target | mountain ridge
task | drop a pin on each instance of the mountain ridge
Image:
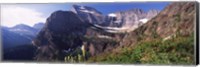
(21, 34)
(161, 40)
(126, 20)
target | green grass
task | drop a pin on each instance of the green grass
(179, 50)
(76, 56)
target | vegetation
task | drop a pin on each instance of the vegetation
(177, 50)
(76, 56)
(177, 17)
(154, 34)
(80, 54)
(153, 29)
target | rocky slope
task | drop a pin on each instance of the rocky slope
(11, 39)
(19, 35)
(16, 42)
(165, 39)
(175, 19)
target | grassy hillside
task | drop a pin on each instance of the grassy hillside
(177, 50)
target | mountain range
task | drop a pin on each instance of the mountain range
(120, 21)
(84, 34)
(19, 35)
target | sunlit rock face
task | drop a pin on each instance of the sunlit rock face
(123, 21)
(88, 14)
(129, 20)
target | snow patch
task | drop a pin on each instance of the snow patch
(18, 30)
(82, 7)
(118, 21)
(116, 29)
(102, 36)
(87, 11)
(143, 20)
(112, 15)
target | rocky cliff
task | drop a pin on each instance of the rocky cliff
(63, 30)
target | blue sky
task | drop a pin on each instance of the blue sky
(106, 8)
(33, 13)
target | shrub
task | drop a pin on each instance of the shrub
(178, 50)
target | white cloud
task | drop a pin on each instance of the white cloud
(11, 16)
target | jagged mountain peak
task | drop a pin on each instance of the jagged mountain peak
(129, 20)
(154, 10)
(22, 27)
(88, 14)
(75, 8)
(137, 10)
(126, 20)
(152, 13)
